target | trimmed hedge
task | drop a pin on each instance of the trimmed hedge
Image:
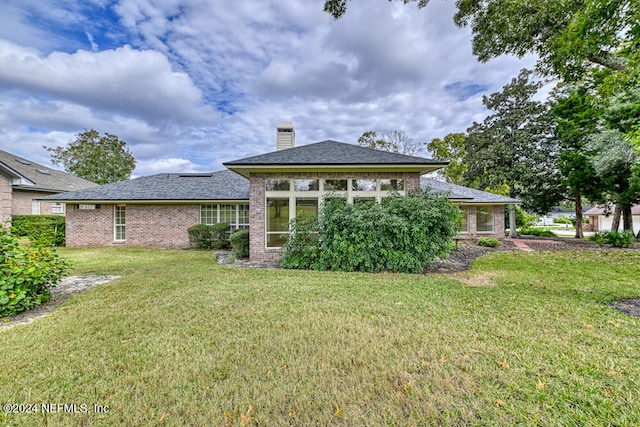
(208, 237)
(402, 234)
(42, 230)
(240, 243)
(490, 242)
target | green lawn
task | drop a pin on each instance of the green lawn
(523, 339)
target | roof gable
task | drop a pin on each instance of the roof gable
(32, 176)
(332, 153)
(464, 194)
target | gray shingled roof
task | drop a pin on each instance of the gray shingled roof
(221, 185)
(465, 194)
(36, 177)
(332, 153)
(601, 210)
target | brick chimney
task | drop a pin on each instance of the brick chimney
(286, 136)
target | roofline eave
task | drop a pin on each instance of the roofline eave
(246, 169)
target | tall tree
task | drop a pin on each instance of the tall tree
(515, 146)
(576, 114)
(567, 36)
(101, 159)
(614, 160)
(396, 141)
(451, 149)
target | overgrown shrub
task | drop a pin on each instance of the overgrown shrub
(26, 274)
(619, 239)
(489, 242)
(240, 243)
(42, 230)
(209, 237)
(533, 231)
(402, 234)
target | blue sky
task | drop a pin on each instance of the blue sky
(190, 84)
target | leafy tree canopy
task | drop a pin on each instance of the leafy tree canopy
(100, 159)
(514, 145)
(395, 141)
(451, 149)
(566, 35)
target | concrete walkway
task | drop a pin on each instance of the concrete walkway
(521, 245)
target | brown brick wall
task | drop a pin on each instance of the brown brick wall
(5, 199)
(498, 224)
(257, 250)
(153, 226)
(22, 202)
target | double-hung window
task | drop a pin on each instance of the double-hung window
(120, 223)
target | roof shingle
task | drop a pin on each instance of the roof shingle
(467, 195)
(332, 153)
(36, 177)
(221, 185)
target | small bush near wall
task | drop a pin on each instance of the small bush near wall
(489, 242)
(209, 237)
(26, 275)
(240, 243)
(42, 230)
(402, 234)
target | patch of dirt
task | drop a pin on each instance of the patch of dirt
(66, 288)
(630, 307)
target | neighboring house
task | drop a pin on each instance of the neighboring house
(600, 219)
(23, 183)
(261, 193)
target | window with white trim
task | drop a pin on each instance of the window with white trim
(464, 220)
(286, 198)
(236, 215)
(484, 219)
(120, 223)
(57, 208)
(35, 207)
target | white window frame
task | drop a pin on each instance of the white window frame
(466, 211)
(320, 194)
(492, 212)
(35, 207)
(57, 208)
(236, 223)
(119, 226)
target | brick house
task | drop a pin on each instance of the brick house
(261, 193)
(23, 183)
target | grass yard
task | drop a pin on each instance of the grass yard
(523, 339)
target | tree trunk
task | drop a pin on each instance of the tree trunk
(615, 222)
(512, 221)
(627, 218)
(579, 234)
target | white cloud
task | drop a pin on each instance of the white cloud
(190, 84)
(123, 81)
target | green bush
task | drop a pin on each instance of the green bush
(617, 239)
(240, 243)
(563, 220)
(523, 219)
(26, 275)
(402, 234)
(489, 242)
(533, 231)
(209, 237)
(42, 230)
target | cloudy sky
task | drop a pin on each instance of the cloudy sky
(190, 84)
